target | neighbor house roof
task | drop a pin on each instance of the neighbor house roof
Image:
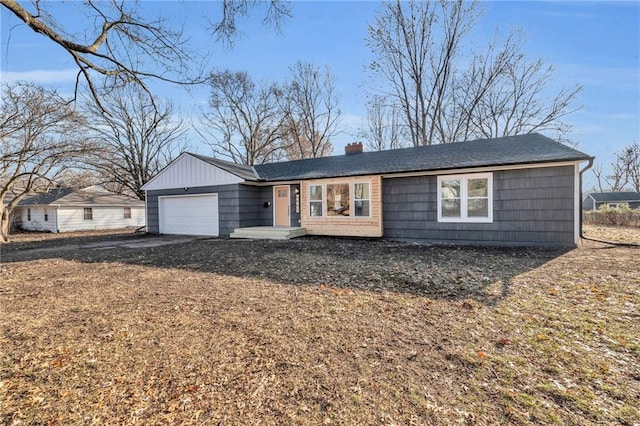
(615, 197)
(92, 196)
(510, 150)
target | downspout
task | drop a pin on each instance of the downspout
(587, 167)
(57, 211)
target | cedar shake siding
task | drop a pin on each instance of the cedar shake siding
(238, 206)
(530, 207)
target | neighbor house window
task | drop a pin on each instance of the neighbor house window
(127, 212)
(315, 200)
(88, 213)
(46, 215)
(29, 214)
(338, 200)
(362, 199)
(465, 198)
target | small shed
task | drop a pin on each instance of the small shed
(594, 200)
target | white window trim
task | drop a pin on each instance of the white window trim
(352, 200)
(326, 201)
(464, 198)
(322, 200)
(353, 197)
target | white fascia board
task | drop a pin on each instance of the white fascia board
(480, 169)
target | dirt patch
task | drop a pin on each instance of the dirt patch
(613, 233)
(320, 331)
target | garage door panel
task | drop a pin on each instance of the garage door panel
(189, 215)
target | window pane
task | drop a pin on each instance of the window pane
(362, 208)
(451, 188)
(338, 202)
(478, 207)
(361, 191)
(478, 188)
(315, 192)
(450, 208)
(315, 209)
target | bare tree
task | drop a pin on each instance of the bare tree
(122, 43)
(383, 129)
(420, 52)
(244, 122)
(311, 111)
(137, 138)
(38, 141)
(629, 157)
(624, 173)
(226, 29)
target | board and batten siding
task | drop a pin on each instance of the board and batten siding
(350, 226)
(238, 205)
(530, 207)
(72, 218)
(187, 171)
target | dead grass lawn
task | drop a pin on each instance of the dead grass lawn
(112, 336)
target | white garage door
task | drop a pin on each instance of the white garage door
(189, 215)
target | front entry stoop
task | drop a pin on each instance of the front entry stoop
(268, 232)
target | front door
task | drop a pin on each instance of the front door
(282, 205)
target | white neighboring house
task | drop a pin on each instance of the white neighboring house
(65, 209)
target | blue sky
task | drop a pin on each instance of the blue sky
(594, 44)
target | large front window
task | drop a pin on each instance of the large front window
(465, 198)
(338, 200)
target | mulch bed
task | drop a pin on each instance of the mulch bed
(318, 331)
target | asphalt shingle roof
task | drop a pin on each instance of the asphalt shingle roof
(510, 150)
(605, 197)
(240, 170)
(81, 197)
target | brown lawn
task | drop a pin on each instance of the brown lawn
(318, 331)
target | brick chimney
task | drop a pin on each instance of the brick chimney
(353, 148)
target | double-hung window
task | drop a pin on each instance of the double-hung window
(465, 198)
(362, 199)
(127, 213)
(88, 213)
(315, 200)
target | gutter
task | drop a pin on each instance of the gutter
(615, 243)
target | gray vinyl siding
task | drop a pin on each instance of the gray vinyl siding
(530, 207)
(238, 205)
(252, 206)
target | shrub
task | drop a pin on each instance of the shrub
(619, 216)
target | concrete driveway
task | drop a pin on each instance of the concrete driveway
(144, 241)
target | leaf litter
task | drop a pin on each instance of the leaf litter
(320, 331)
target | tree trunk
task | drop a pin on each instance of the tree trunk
(5, 222)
